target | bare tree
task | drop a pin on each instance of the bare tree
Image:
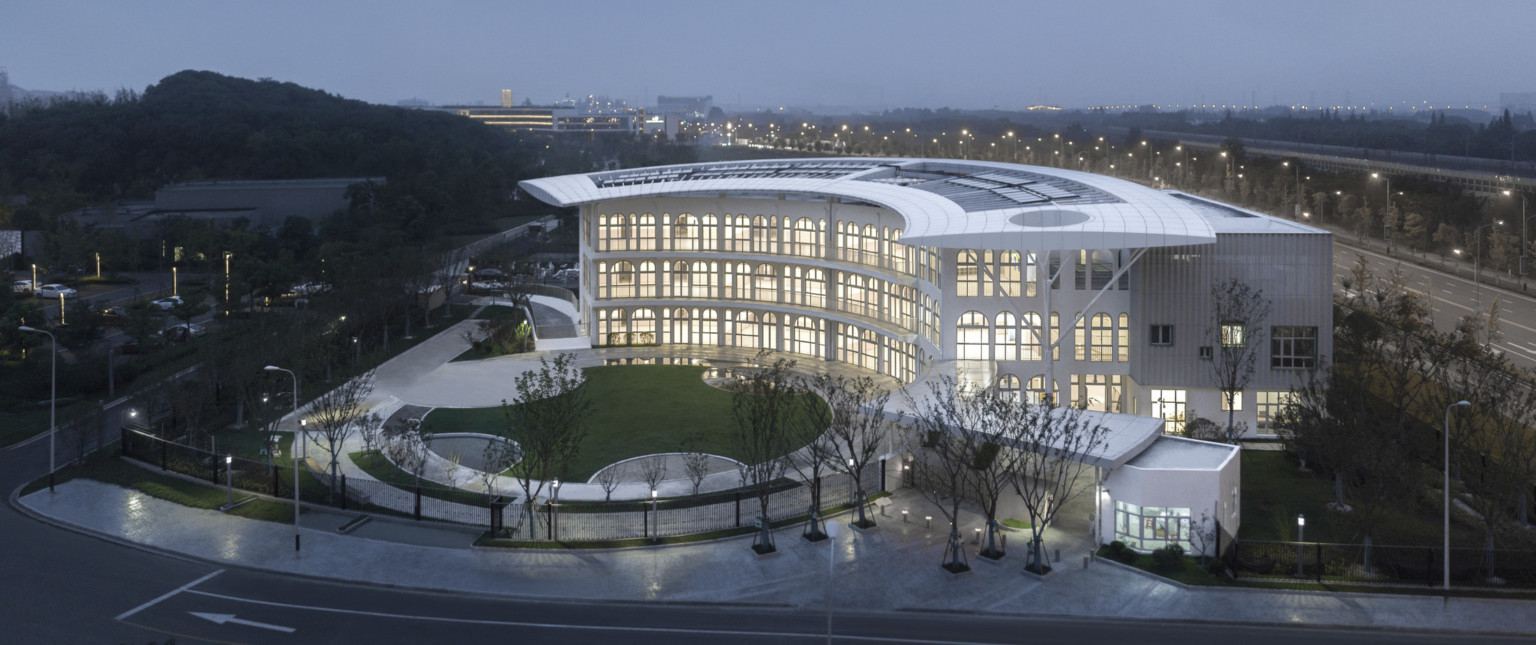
(945, 423)
(547, 421)
(333, 415)
(1055, 445)
(653, 471)
(1202, 535)
(370, 428)
(763, 405)
(1495, 445)
(695, 463)
(407, 448)
(855, 435)
(816, 459)
(1236, 335)
(496, 457)
(609, 478)
(86, 421)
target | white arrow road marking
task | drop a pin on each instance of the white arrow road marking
(173, 592)
(230, 618)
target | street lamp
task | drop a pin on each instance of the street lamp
(98, 264)
(1525, 258)
(53, 399)
(1301, 528)
(174, 282)
(832, 530)
(1386, 228)
(229, 481)
(1477, 258)
(1447, 563)
(274, 368)
(554, 513)
(227, 256)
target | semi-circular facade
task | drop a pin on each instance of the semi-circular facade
(1015, 275)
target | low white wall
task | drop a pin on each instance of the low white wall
(1214, 492)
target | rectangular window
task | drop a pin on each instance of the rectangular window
(1231, 401)
(1270, 405)
(1206, 353)
(1150, 528)
(1293, 347)
(1161, 335)
(1233, 334)
(1031, 279)
(1169, 405)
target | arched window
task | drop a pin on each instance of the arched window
(738, 281)
(707, 328)
(645, 232)
(765, 234)
(769, 331)
(647, 282)
(680, 329)
(1005, 337)
(815, 287)
(859, 347)
(1008, 273)
(1102, 341)
(744, 331)
(851, 297)
(613, 327)
(1030, 337)
(685, 233)
(602, 280)
(1123, 339)
(738, 233)
(806, 238)
(679, 280)
(808, 336)
(870, 245)
(709, 227)
(612, 233)
(643, 325)
(1039, 393)
(705, 279)
(621, 281)
(971, 336)
(1008, 385)
(765, 284)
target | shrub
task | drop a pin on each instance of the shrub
(1122, 553)
(1169, 558)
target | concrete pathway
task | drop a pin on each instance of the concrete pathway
(893, 567)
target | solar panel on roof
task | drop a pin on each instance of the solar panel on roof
(1011, 180)
(1020, 196)
(1052, 192)
(973, 183)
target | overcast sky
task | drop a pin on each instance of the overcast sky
(919, 53)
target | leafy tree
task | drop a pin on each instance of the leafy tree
(856, 437)
(333, 415)
(1236, 335)
(764, 405)
(546, 423)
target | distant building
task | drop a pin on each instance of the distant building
(593, 114)
(265, 204)
(693, 107)
(506, 99)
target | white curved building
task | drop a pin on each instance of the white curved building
(1019, 275)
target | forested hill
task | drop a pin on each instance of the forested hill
(202, 125)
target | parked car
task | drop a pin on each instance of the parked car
(489, 274)
(113, 313)
(22, 287)
(310, 288)
(183, 332)
(168, 303)
(56, 290)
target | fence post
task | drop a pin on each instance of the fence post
(1429, 566)
(343, 491)
(277, 480)
(165, 450)
(738, 509)
(418, 502)
(1218, 539)
(882, 475)
(1319, 562)
(549, 522)
(645, 522)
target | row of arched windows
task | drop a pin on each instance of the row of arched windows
(807, 335)
(1007, 337)
(780, 284)
(804, 237)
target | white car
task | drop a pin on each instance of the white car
(310, 288)
(21, 286)
(183, 332)
(167, 303)
(56, 290)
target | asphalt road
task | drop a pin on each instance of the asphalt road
(1453, 297)
(63, 587)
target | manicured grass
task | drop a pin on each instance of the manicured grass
(16, 427)
(1188, 572)
(183, 492)
(380, 468)
(637, 410)
(1275, 490)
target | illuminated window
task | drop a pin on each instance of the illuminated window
(1231, 401)
(1102, 340)
(1169, 405)
(1008, 273)
(1030, 337)
(807, 336)
(1233, 334)
(1005, 337)
(645, 233)
(744, 330)
(806, 239)
(1009, 385)
(1269, 406)
(765, 234)
(685, 233)
(679, 279)
(643, 325)
(647, 280)
(621, 282)
(705, 278)
(1123, 339)
(971, 336)
(765, 284)
(707, 328)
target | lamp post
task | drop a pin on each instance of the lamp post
(1446, 565)
(1301, 528)
(554, 513)
(175, 281)
(1386, 229)
(227, 256)
(53, 398)
(1525, 258)
(1477, 259)
(274, 368)
(1297, 205)
(34, 278)
(98, 264)
(229, 481)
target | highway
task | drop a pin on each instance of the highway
(1452, 297)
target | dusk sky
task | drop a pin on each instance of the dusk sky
(863, 54)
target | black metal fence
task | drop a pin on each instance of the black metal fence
(1380, 564)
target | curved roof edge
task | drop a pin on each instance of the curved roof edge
(1134, 216)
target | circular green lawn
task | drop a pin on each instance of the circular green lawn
(636, 410)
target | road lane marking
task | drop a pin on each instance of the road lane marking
(220, 619)
(591, 628)
(185, 587)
